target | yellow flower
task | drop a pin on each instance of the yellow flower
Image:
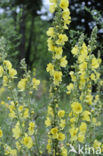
(16, 131)
(50, 68)
(57, 77)
(52, 1)
(72, 120)
(58, 53)
(63, 61)
(12, 72)
(50, 32)
(5, 80)
(64, 151)
(76, 107)
(18, 146)
(52, 8)
(20, 108)
(7, 64)
(62, 124)
(12, 114)
(1, 133)
(28, 142)
(50, 111)
(48, 122)
(73, 132)
(31, 128)
(64, 4)
(89, 99)
(62, 38)
(66, 14)
(1, 71)
(35, 83)
(22, 84)
(13, 152)
(75, 50)
(7, 149)
(61, 113)
(26, 113)
(51, 46)
(84, 50)
(93, 77)
(54, 130)
(83, 67)
(95, 63)
(86, 115)
(96, 144)
(48, 147)
(72, 76)
(81, 137)
(83, 127)
(69, 88)
(61, 136)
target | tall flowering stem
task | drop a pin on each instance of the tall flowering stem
(83, 117)
(55, 117)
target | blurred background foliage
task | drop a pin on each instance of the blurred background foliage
(22, 25)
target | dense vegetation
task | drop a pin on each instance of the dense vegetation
(51, 78)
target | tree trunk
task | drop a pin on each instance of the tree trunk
(22, 33)
(28, 51)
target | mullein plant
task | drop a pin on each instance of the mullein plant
(20, 109)
(85, 103)
(55, 120)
